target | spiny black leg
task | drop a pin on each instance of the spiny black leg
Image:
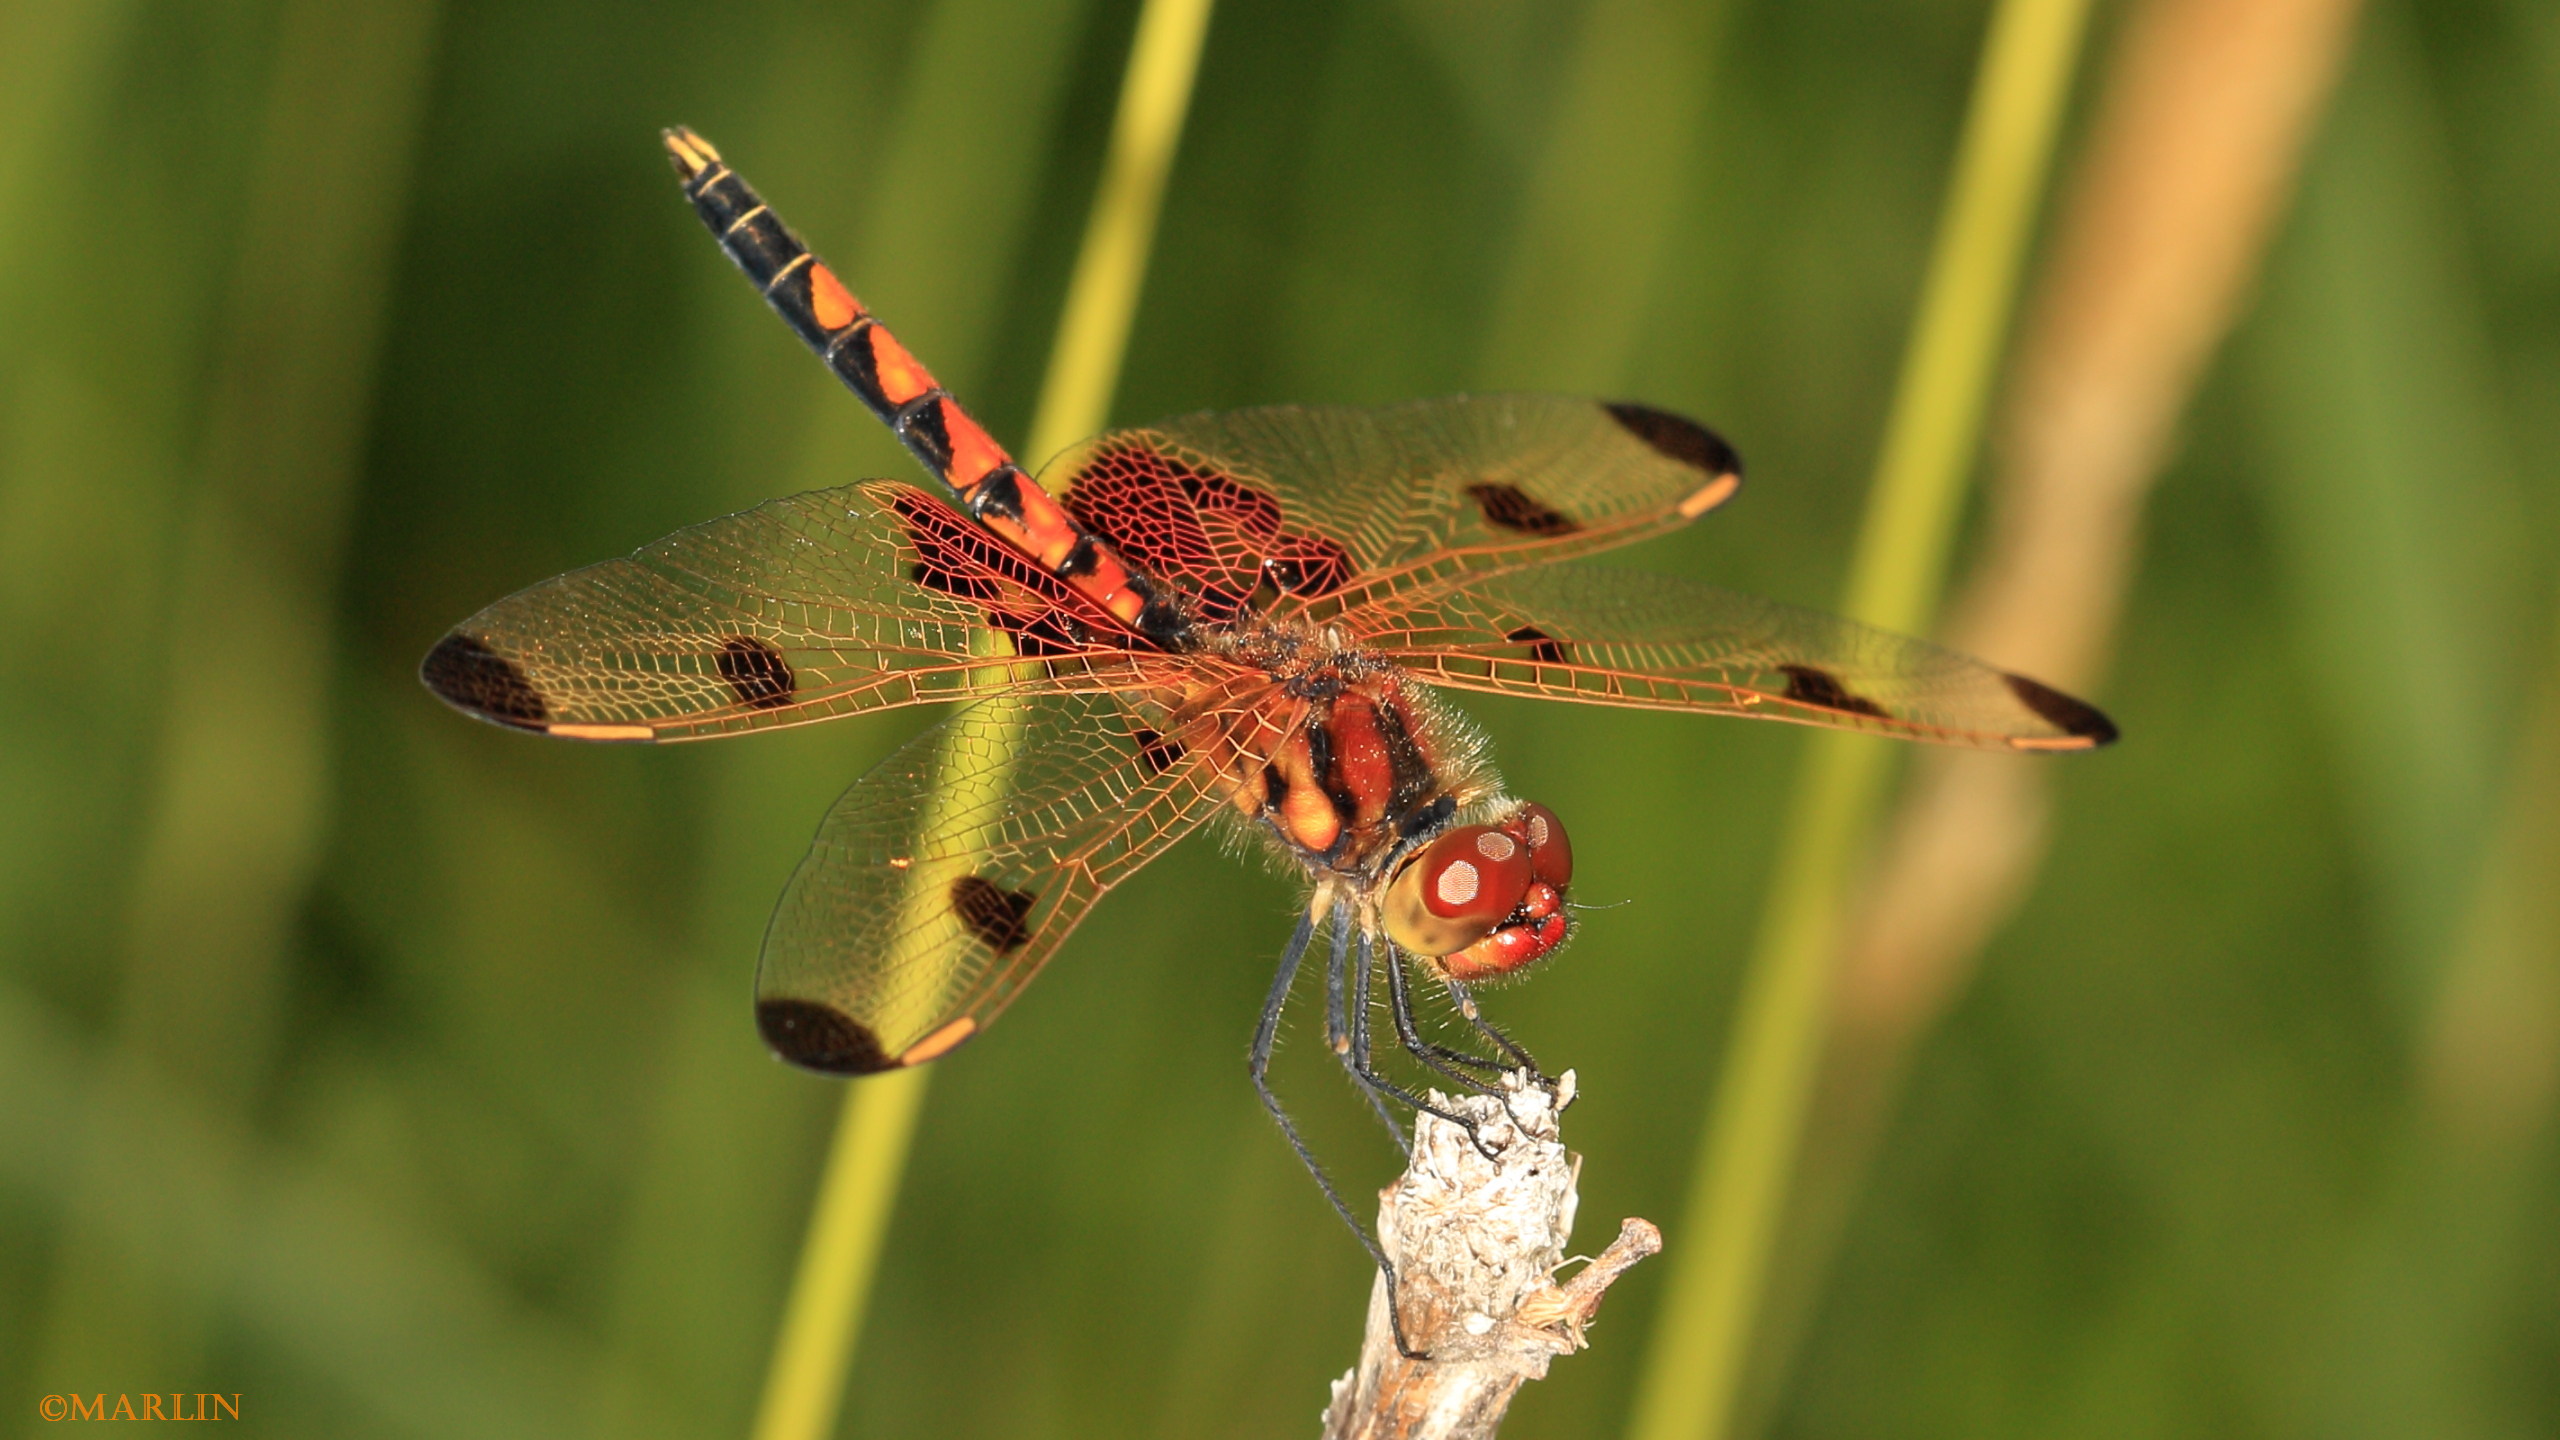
(1259, 1064)
(1411, 1031)
(1437, 1057)
(1360, 1037)
(1520, 1058)
(1357, 1061)
(1350, 1037)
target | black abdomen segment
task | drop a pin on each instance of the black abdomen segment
(755, 238)
(891, 383)
(982, 479)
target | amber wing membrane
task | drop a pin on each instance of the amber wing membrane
(801, 609)
(1621, 637)
(1326, 508)
(947, 876)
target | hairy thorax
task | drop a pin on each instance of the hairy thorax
(1337, 755)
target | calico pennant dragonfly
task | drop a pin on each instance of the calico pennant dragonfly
(1243, 615)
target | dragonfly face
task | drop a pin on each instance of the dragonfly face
(1247, 614)
(1483, 901)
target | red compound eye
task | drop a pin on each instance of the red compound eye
(1457, 890)
(1550, 853)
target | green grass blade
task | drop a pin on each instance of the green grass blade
(1720, 1249)
(839, 1257)
(1111, 268)
(877, 1125)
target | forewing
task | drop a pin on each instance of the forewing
(1620, 637)
(1323, 508)
(801, 609)
(946, 877)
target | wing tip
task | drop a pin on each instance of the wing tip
(817, 1036)
(2083, 725)
(1677, 437)
(466, 674)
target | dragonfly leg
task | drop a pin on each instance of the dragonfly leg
(1520, 1059)
(1356, 1060)
(1259, 1064)
(1350, 1036)
(1438, 1057)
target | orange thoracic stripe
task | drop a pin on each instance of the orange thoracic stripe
(983, 479)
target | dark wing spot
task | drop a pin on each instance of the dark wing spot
(1307, 565)
(1159, 751)
(1132, 498)
(943, 563)
(991, 912)
(757, 671)
(1543, 647)
(1679, 438)
(816, 1036)
(2071, 716)
(1812, 685)
(469, 675)
(1253, 510)
(1508, 507)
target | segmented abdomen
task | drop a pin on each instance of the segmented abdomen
(870, 361)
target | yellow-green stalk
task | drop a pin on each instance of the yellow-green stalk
(804, 1382)
(1746, 1161)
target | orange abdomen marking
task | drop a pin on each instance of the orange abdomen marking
(904, 394)
(1046, 531)
(973, 452)
(900, 377)
(832, 304)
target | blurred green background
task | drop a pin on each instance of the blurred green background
(396, 1072)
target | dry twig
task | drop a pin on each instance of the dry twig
(1476, 1243)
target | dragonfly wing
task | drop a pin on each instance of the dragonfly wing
(801, 609)
(1622, 637)
(948, 875)
(1322, 508)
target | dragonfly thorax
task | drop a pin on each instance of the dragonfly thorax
(1350, 765)
(1362, 780)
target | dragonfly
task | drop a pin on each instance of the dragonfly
(1246, 618)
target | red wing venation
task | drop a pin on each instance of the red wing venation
(948, 875)
(818, 605)
(1629, 638)
(1109, 721)
(1321, 509)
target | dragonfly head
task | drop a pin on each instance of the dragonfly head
(1483, 901)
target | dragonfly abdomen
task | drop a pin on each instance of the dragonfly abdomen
(897, 387)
